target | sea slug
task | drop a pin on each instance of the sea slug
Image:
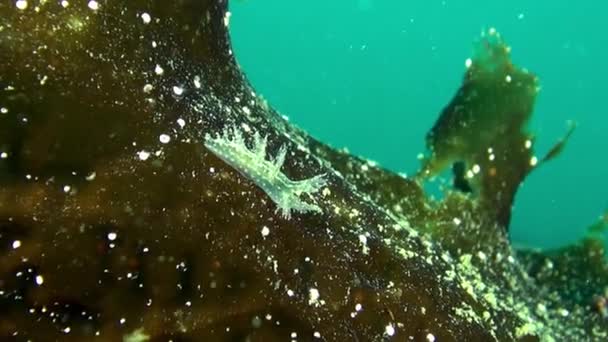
(252, 163)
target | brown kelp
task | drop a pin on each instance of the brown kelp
(147, 193)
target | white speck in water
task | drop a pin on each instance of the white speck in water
(148, 88)
(3, 155)
(181, 122)
(358, 307)
(146, 18)
(122, 321)
(178, 90)
(3, 110)
(317, 334)
(508, 78)
(476, 169)
(67, 330)
(520, 16)
(158, 70)
(265, 231)
(290, 293)
(389, 330)
(227, 19)
(112, 236)
(197, 81)
(94, 5)
(164, 138)
(457, 221)
(143, 155)
(533, 161)
(528, 144)
(313, 296)
(21, 4)
(246, 110)
(468, 62)
(66, 188)
(39, 280)
(65, 3)
(16, 244)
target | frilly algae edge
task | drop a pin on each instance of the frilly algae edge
(118, 223)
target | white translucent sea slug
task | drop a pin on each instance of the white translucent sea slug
(252, 163)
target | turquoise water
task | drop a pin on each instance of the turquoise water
(372, 76)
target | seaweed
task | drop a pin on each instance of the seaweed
(124, 216)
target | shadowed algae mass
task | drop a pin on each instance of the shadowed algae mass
(148, 194)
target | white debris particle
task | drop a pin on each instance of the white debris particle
(290, 293)
(67, 330)
(363, 240)
(112, 236)
(3, 155)
(476, 169)
(457, 221)
(21, 4)
(533, 161)
(197, 81)
(178, 90)
(3, 110)
(317, 334)
(520, 16)
(508, 78)
(164, 138)
(158, 70)
(16, 244)
(122, 321)
(358, 307)
(430, 337)
(468, 62)
(246, 110)
(389, 330)
(564, 312)
(39, 280)
(91, 176)
(313, 296)
(146, 18)
(65, 3)
(528, 144)
(66, 188)
(265, 231)
(94, 5)
(227, 18)
(148, 88)
(143, 155)
(181, 122)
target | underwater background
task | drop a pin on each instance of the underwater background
(372, 76)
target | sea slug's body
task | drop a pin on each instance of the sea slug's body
(264, 173)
